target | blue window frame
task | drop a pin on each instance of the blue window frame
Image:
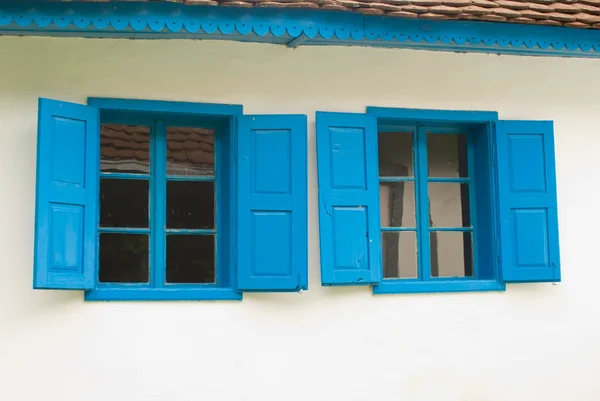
(152, 200)
(453, 249)
(161, 235)
(384, 216)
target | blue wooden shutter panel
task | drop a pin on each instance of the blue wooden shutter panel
(272, 248)
(348, 199)
(66, 196)
(527, 199)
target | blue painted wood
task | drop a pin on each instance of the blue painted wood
(124, 230)
(191, 178)
(486, 237)
(527, 199)
(476, 125)
(424, 115)
(407, 286)
(226, 187)
(422, 200)
(125, 176)
(168, 107)
(158, 205)
(66, 195)
(272, 238)
(463, 180)
(224, 125)
(348, 199)
(199, 231)
(178, 293)
(149, 20)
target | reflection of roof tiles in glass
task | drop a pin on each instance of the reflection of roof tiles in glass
(126, 148)
(570, 13)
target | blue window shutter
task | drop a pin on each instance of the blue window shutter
(348, 198)
(66, 196)
(527, 200)
(272, 238)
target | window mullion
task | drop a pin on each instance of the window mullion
(472, 200)
(421, 174)
(158, 202)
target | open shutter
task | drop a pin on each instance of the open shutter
(527, 195)
(66, 195)
(272, 241)
(348, 198)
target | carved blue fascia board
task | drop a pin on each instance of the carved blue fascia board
(292, 27)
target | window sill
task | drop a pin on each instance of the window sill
(458, 285)
(163, 294)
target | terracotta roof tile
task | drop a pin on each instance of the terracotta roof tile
(457, 3)
(427, 2)
(403, 14)
(432, 16)
(564, 8)
(332, 6)
(523, 20)
(514, 5)
(549, 22)
(493, 17)
(587, 18)
(560, 17)
(414, 9)
(468, 17)
(543, 8)
(445, 10)
(505, 12)
(385, 7)
(578, 24)
(570, 13)
(370, 11)
(485, 3)
(533, 14)
(474, 10)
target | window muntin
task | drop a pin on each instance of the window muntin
(158, 205)
(426, 203)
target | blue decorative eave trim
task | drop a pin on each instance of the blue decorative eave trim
(291, 27)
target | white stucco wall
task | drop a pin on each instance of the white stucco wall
(532, 342)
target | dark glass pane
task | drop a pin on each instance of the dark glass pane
(190, 259)
(397, 204)
(123, 203)
(395, 154)
(399, 254)
(449, 205)
(451, 254)
(190, 204)
(190, 151)
(123, 258)
(124, 148)
(447, 155)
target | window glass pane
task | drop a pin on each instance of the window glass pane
(190, 204)
(395, 154)
(123, 258)
(190, 259)
(449, 205)
(397, 204)
(447, 155)
(190, 151)
(451, 254)
(124, 148)
(399, 254)
(123, 203)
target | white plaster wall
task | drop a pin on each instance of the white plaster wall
(532, 342)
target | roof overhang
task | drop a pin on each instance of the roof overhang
(289, 27)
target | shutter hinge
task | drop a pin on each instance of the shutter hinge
(299, 289)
